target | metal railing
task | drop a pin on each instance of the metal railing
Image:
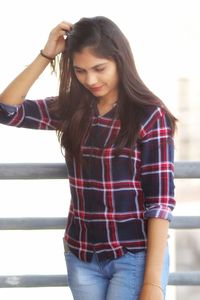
(59, 171)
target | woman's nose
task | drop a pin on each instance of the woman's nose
(91, 79)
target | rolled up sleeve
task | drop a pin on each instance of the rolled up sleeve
(34, 114)
(8, 110)
(157, 167)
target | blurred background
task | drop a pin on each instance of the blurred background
(165, 39)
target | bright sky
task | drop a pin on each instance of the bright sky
(164, 36)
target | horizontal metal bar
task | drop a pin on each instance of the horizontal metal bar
(33, 281)
(19, 281)
(185, 222)
(33, 171)
(184, 278)
(187, 169)
(32, 223)
(179, 222)
(183, 169)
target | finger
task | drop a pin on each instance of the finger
(66, 26)
(61, 33)
(61, 30)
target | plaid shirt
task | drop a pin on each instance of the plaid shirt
(111, 197)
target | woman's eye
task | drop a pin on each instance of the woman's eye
(100, 69)
(78, 71)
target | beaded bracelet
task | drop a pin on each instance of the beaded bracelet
(47, 57)
(154, 284)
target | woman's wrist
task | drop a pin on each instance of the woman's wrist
(50, 59)
(154, 284)
(46, 56)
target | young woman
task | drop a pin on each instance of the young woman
(117, 138)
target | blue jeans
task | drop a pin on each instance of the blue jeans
(111, 279)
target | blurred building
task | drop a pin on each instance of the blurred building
(189, 119)
(188, 191)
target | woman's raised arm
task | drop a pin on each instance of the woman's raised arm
(16, 91)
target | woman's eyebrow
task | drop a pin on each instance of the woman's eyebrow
(94, 67)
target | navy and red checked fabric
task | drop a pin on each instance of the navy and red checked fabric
(112, 197)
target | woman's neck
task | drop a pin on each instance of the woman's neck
(105, 106)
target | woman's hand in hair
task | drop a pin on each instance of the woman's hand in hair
(56, 41)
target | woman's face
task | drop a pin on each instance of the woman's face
(98, 75)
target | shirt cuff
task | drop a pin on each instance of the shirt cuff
(9, 109)
(160, 212)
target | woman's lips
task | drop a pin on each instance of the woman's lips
(96, 89)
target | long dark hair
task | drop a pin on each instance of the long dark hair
(74, 102)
